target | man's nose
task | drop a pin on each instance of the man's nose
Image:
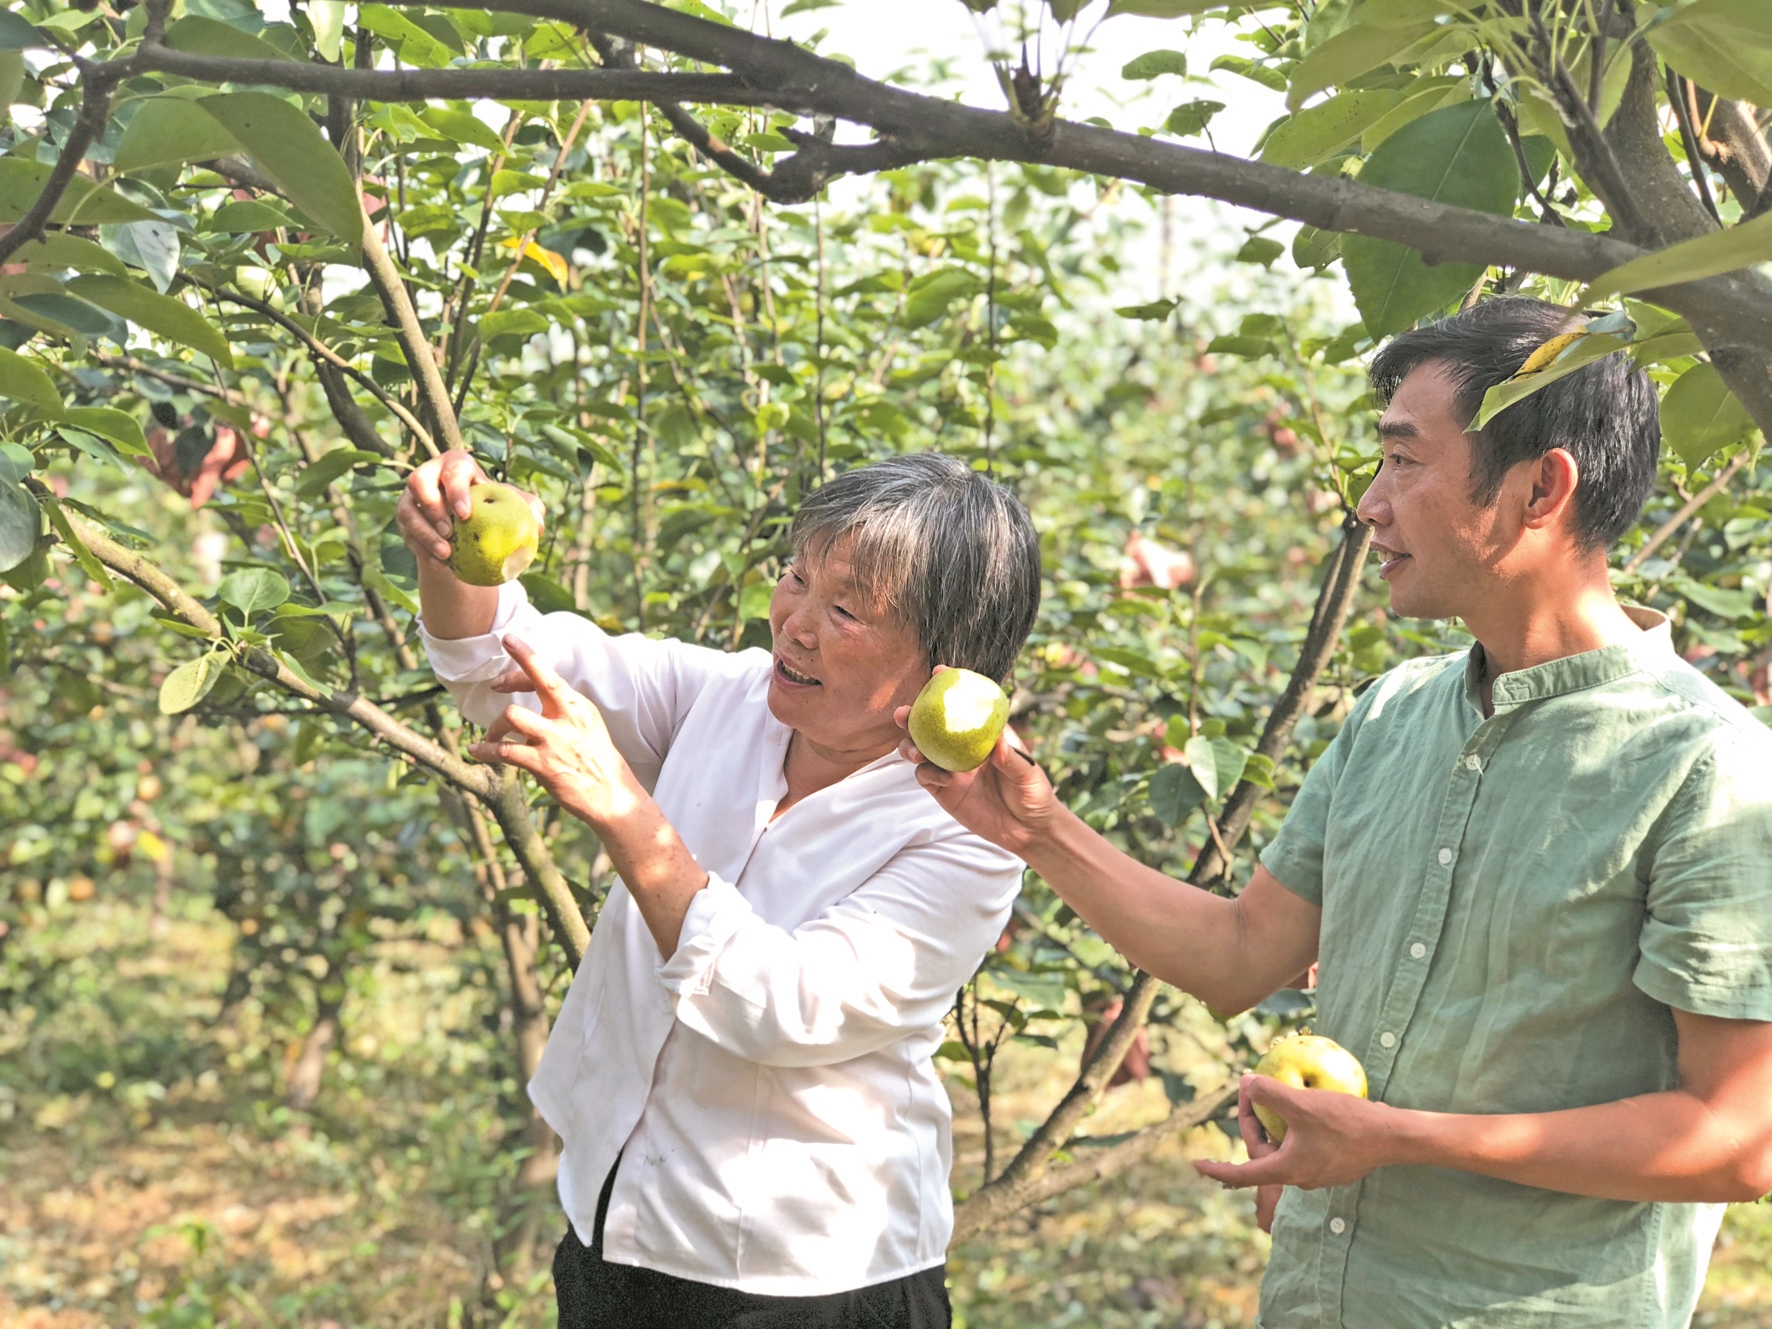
(1374, 508)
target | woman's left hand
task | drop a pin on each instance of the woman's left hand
(566, 747)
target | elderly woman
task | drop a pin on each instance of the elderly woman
(753, 1131)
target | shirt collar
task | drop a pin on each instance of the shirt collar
(1572, 673)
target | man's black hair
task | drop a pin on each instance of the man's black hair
(1604, 415)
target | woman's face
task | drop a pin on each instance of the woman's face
(843, 662)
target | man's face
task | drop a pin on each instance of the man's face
(1443, 555)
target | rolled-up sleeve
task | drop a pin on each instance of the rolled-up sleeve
(1706, 943)
(643, 687)
(882, 963)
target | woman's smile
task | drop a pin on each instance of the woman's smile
(793, 677)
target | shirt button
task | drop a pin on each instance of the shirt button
(1445, 858)
(1473, 763)
(1417, 951)
(1387, 1039)
(1338, 1225)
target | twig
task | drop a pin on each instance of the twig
(95, 113)
(1666, 530)
(1679, 94)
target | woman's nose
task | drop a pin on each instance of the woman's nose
(798, 627)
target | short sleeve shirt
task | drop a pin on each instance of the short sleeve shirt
(1511, 906)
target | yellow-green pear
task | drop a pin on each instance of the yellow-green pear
(497, 540)
(1308, 1061)
(956, 718)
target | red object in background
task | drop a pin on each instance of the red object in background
(225, 462)
(1149, 563)
(1100, 1010)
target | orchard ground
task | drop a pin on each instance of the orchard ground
(205, 1202)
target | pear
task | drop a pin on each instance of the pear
(497, 540)
(1308, 1061)
(956, 718)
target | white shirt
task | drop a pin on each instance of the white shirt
(769, 1086)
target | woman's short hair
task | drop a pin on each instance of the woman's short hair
(949, 550)
(1605, 414)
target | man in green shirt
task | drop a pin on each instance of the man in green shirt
(1537, 878)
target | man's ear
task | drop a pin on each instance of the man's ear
(1554, 477)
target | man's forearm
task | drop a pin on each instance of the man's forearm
(1667, 1146)
(1219, 950)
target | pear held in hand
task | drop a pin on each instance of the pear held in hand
(956, 718)
(1308, 1061)
(498, 538)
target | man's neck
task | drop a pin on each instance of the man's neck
(1534, 622)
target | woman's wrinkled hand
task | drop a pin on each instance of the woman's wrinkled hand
(435, 497)
(1008, 800)
(566, 747)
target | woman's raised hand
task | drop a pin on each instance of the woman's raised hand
(1008, 800)
(435, 495)
(566, 747)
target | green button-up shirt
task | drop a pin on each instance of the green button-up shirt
(1511, 906)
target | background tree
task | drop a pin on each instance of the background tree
(259, 267)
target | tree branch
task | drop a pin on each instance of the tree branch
(1667, 528)
(417, 85)
(1020, 1182)
(477, 780)
(89, 125)
(420, 359)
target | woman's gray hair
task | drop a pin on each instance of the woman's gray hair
(949, 550)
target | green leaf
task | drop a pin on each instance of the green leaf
(190, 683)
(1692, 260)
(1457, 155)
(548, 595)
(461, 127)
(1202, 760)
(118, 427)
(251, 589)
(932, 294)
(248, 215)
(1347, 55)
(290, 148)
(58, 249)
(1156, 309)
(1719, 600)
(1260, 249)
(1174, 792)
(512, 323)
(160, 314)
(1266, 75)
(208, 36)
(17, 33)
(19, 524)
(23, 382)
(323, 470)
(84, 203)
(89, 564)
(753, 601)
(1319, 132)
(1725, 45)
(327, 18)
(1153, 63)
(1699, 415)
(1191, 118)
(1579, 354)
(1240, 345)
(1162, 8)
(1312, 248)
(168, 130)
(415, 45)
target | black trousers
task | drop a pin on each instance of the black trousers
(595, 1294)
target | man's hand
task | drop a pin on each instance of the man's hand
(1008, 800)
(1331, 1139)
(567, 747)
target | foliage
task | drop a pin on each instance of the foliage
(266, 295)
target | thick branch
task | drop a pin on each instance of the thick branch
(420, 359)
(177, 602)
(95, 113)
(505, 798)
(1022, 1178)
(1732, 142)
(417, 85)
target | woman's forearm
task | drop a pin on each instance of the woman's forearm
(452, 609)
(648, 854)
(1228, 953)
